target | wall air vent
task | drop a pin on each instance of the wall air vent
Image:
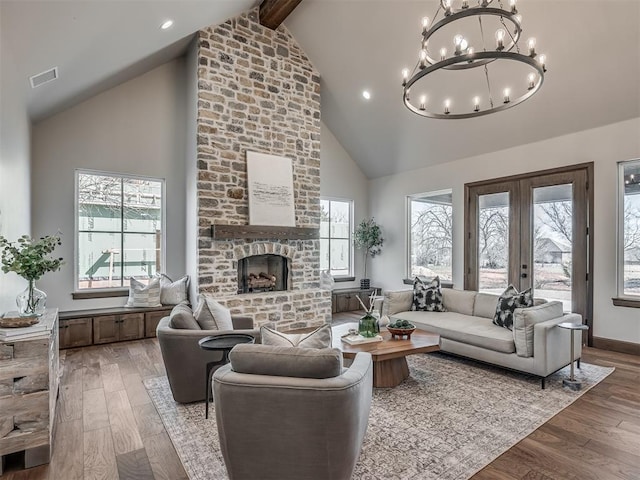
(44, 77)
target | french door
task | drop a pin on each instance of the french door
(532, 231)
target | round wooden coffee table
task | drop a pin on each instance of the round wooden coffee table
(390, 366)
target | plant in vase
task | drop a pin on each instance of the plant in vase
(368, 325)
(30, 259)
(368, 237)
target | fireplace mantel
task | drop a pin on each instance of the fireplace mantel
(259, 232)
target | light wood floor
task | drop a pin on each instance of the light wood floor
(107, 427)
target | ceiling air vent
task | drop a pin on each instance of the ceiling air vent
(44, 77)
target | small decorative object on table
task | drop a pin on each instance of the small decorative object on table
(368, 326)
(30, 259)
(401, 328)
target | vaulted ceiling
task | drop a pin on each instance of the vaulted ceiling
(593, 51)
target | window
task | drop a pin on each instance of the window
(629, 230)
(336, 219)
(430, 235)
(119, 229)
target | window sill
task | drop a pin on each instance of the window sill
(343, 279)
(626, 302)
(88, 294)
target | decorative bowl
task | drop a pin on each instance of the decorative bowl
(400, 332)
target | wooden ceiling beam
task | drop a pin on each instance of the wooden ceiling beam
(273, 12)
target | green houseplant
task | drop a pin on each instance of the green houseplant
(30, 258)
(368, 237)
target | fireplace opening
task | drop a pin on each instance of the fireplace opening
(263, 273)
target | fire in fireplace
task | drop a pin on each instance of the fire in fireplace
(263, 273)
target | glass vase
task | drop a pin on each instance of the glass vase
(31, 302)
(368, 326)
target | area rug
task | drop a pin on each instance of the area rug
(450, 419)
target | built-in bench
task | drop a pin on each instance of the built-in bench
(81, 328)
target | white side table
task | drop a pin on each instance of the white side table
(571, 382)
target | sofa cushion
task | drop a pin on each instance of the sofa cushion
(427, 296)
(173, 293)
(141, 295)
(319, 338)
(508, 302)
(286, 361)
(398, 301)
(182, 317)
(477, 331)
(460, 301)
(524, 320)
(211, 315)
(485, 305)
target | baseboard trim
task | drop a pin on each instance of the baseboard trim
(616, 345)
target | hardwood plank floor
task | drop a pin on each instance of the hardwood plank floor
(108, 428)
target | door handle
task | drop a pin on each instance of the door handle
(523, 275)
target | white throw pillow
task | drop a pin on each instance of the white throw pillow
(141, 295)
(211, 315)
(173, 293)
(319, 338)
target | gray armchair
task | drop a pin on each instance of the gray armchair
(281, 423)
(186, 362)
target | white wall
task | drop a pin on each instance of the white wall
(191, 171)
(604, 146)
(14, 168)
(340, 177)
(137, 128)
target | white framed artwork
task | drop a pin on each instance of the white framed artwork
(270, 184)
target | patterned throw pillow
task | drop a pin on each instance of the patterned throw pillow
(427, 297)
(141, 295)
(173, 293)
(319, 338)
(507, 304)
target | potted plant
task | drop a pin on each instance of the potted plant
(368, 237)
(30, 259)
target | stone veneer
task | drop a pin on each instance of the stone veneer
(257, 91)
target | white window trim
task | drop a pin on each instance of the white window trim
(620, 232)
(163, 253)
(351, 203)
(407, 229)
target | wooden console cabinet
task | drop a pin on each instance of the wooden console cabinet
(346, 299)
(28, 392)
(106, 325)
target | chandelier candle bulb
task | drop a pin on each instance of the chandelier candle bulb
(447, 7)
(423, 102)
(506, 94)
(476, 104)
(465, 4)
(443, 54)
(405, 76)
(512, 4)
(425, 24)
(532, 47)
(532, 80)
(447, 104)
(423, 58)
(500, 33)
(541, 60)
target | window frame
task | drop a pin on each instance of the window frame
(621, 295)
(408, 212)
(351, 275)
(80, 293)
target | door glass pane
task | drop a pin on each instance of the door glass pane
(552, 243)
(631, 229)
(493, 242)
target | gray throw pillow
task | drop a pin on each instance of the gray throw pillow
(182, 317)
(286, 361)
(141, 295)
(173, 293)
(319, 338)
(211, 315)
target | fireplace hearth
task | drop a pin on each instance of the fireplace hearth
(263, 273)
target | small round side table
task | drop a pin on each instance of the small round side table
(220, 343)
(571, 382)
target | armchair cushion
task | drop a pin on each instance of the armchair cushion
(286, 361)
(319, 338)
(212, 315)
(524, 320)
(182, 317)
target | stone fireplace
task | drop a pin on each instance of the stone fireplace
(258, 91)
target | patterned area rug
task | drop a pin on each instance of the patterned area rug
(451, 418)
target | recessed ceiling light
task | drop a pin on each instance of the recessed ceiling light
(167, 24)
(366, 94)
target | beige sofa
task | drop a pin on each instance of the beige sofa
(535, 346)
